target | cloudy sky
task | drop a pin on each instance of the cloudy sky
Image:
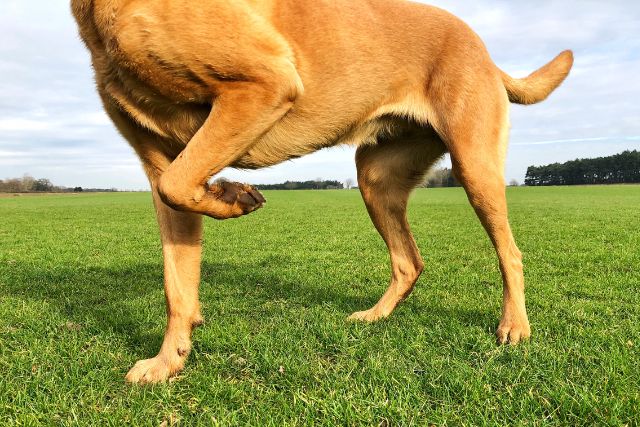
(52, 124)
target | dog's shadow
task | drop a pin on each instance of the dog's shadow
(92, 299)
(118, 300)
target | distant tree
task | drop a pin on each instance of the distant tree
(443, 177)
(514, 183)
(12, 185)
(42, 185)
(15, 185)
(78, 190)
(348, 183)
(28, 182)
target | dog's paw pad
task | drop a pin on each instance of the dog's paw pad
(243, 198)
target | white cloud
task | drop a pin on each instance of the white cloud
(18, 124)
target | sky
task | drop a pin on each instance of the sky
(52, 124)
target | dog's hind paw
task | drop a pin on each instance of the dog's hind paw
(241, 199)
(152, 371)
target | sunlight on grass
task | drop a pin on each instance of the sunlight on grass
(81, 300)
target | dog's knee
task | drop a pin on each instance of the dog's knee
(379, 170)
(277, 88)
(176, 194)
(286, 82)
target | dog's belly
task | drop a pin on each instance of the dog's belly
(292, 137)
(296, 136)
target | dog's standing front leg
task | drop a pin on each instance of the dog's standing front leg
(181, 234)
(181, 237)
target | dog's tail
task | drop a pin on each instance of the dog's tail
(539, 85)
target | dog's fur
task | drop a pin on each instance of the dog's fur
(199, 86)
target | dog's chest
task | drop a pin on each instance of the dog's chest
(167, 118)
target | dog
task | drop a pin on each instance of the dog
(196, 87)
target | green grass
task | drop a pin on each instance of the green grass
(81, 300)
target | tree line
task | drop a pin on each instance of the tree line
(303, 185)
(620, 168)
(443, 177)
(29, 184)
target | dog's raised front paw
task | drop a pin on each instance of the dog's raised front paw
(241, 199)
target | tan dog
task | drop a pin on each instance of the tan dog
(199, 86)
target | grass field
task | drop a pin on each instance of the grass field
(81, 300)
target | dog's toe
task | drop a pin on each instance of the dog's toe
(255, 194)
(513, 332)
(152, 371)
(368, 316)
(241, 199)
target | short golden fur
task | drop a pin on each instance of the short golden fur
(199, 86)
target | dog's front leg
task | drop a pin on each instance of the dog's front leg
(242, 113)
(181, 234)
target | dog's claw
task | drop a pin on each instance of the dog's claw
(242, 198)
(368, 316)
(257, 195)
(513, 332)
(152, 371)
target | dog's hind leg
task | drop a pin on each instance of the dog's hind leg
(478, 150)
(387, 173)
